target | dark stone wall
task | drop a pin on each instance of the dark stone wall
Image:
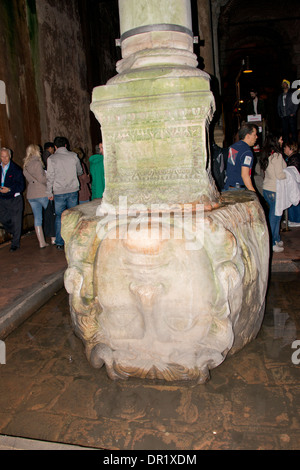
(62, 73)
(52, 56)
(100, 29)
(20, 117)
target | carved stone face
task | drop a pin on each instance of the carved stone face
(156, 297)
(153, 308)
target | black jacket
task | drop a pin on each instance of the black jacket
(294, 160)
(289, 108)
(260, 108)
(14, 180)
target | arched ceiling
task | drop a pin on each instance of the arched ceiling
(247, 27)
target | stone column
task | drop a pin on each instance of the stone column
(154, 113)
(158, 26)
(168, 283)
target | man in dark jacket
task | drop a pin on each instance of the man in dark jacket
(255, 105)
(11, 201)
(287, 111)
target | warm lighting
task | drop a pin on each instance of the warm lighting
(246, 66)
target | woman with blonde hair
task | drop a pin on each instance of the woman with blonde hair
(34, 173)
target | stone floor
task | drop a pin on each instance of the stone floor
(49, 392)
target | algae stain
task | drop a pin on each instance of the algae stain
(32, 24)
(8, 20)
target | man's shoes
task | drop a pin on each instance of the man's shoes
(280, 243)
(294, 224)
(13, 248)
(60, 247)
(278, 249)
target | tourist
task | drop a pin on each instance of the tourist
(97, 172)
(287, 111)
(34, 172)
(62, 182)
(273, 164)
(240, 160)
(11, 201)
(293, 159)
(48, 150)
(49, 212)
(255, 105)
(84, 194)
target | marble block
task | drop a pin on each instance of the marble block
(154, 126)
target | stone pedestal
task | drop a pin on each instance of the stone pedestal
(155, 138)
(154, 114)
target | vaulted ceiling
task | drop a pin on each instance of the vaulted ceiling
(268, 32)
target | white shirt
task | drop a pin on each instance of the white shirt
(288, 190)
(4, 171)
(255, 101)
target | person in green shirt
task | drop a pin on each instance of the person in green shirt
(97, 172)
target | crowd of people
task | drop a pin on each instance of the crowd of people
(278, 160)
(57, 179)
(280, 164)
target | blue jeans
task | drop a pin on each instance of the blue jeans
(63, 202)
(274, 220)
(37, 206)
(289, 125)
(294, 213)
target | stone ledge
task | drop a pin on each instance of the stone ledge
(19, 443)
(24, 306)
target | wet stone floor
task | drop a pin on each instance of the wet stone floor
(48, 390)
